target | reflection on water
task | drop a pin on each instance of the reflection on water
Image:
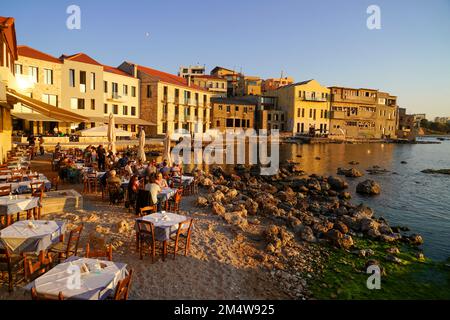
(409, 197)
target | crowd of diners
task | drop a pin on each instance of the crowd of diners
(120, 173)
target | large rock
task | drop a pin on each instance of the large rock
(218, 209)
(350, 173)
(236, 219)
(202, 201)
(337, 183)
(218, 196)
(307, 234)
(123, 226)
(251, 206)
(368, 187)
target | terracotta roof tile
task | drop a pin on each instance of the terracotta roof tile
(29, 52)
(80, 57)
(116, 71)
(169, 78)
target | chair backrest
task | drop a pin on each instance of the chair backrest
(5, 190)
(185, 228)
(36, 187)
(40, 296)
(74, 239)
(147, 210)
(177, 197)
(145, 228)
(15, 178)
(99, 253)
(123, 287)
(5, 256)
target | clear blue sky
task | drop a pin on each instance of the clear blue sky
(325, 39)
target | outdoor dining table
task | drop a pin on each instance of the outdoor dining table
(29, 236)
(24, 176)
(165, 223)
(98, 279)
(10, 205)
(25, 186)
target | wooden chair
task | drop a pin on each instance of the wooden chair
(15, 178)
(55, 183)
(115, 194)
(174, 202)
(5, 191)
(12, 265)
(36, 187)
(35, 268)
(40, 296)
(183, 233)
(147, 210)
(145, 234)
(99, 253)
(65, 250)
(123, 287)
(37, 192)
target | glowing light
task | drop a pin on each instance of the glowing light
(24, 83)
(369, 152)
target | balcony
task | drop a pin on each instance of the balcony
(116, 97)
(316, 99)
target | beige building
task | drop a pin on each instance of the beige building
(215, 85)
(248, 85)
(232, 114)
(232, 77)
(363, 113)
(307, 107)
(170, 101)
(76, 83)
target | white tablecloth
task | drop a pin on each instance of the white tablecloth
(165, 223)
(22, 203)
(22, 237)
(25, 186)
(94, 285)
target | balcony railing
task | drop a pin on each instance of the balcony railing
(312, 98)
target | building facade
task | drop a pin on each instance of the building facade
(363, 113)
(75, 83)
(8, 56)
(275, 83)
(248, 85)
(306, 105)
(215, 85)
(232, 77)
(442, 120)
(191, 71)
(232, 114)
(170, 101)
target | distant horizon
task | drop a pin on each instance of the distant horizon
(326, 41)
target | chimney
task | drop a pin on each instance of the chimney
(135, 70)
(188, 78)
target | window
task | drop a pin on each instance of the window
(298, 112)
(115, 89)
(218, 123)
(125, 90)
(19, 69)
(165, 92)
(228, 108)
(105, 108)
(82, 81)
(34, 74)
(92, 104)
(92, 81)
(73, 103)
(115, 109)
(48, 76)
(133, 91)
(245, 109)
(269, 117)
(50, 99)
(230, 123)
(149, 91)
(133, 111)
(81, 104)
(105, 86)
(125, 110)
(133, 128)
(310, 113)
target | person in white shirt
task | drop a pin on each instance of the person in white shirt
(154, 190)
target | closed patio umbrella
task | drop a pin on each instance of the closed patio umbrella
(167, 156)
(112, 134)
(141, 151)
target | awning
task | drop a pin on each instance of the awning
(123, 120)
(33, 117)
(102, 132)
(45, 109)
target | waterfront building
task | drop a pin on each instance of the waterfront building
(188, 72)
(362, 113)
(8, 55)
(231, 76)
(170, 101)
(275, 83)
(406, 125)
(215, 85)
(306, 105)
(232, 113)
(248, 85)
(268, 116)
(75, 83)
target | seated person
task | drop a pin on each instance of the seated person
(164, 168)
(161, 181)
(176, 170)
(129, 168)
(154, 190)
(114, 182)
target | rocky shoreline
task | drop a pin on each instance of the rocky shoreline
(302, 218)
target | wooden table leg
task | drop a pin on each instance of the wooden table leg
(164, 250)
